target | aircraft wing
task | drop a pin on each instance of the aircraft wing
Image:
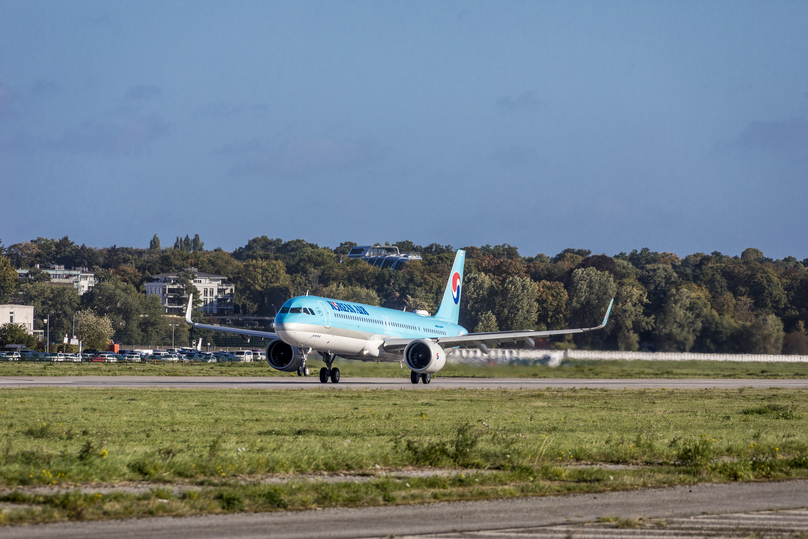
(224, 329)
(484, 340)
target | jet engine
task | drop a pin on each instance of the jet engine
(424, 356)
(283, 357)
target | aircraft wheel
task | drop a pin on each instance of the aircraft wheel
(306, 371)
(414, 377)
(323, 375)
(299, 372)
(426, 378)
(334, 376)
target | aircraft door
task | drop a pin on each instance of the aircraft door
(388, 327)
(325, 312)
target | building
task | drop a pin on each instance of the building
(382, 256)
(216, 294)
(81, 279)
(22, 315)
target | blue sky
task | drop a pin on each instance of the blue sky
(678, 126)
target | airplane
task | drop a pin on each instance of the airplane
(350, 330)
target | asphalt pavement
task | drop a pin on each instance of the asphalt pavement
(733, 511)
(226, 382)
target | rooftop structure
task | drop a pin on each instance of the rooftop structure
(82, 279)
(216, 294)
(383, 256)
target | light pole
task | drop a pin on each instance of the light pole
(172, 333)
(47, 335)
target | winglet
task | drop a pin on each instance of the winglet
(188, 310)
(606, 318)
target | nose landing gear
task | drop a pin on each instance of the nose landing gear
(327, 372)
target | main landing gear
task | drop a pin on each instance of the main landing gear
(425, 378)
(327, 372)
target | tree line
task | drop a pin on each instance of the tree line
(663, 302)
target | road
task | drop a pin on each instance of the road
(224, 382)
(695, 511)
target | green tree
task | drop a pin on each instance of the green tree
(763, 336)
(154, 244)
(767, 292)
(61, 302)
(796, 342)
(500, 270)
(356, 294)
(590, 292)
(517, 307)
(478, 297)
(659, 281)
(752, 254)
(261, 284)
(680, 321)
(16, 334)
(185, 282)
(135, 317)
(628, 320)
(94, 331)
(552, 301)
(197, 245)
(344, 248)
(487, 323)
(8, 279)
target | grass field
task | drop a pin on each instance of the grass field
(221, 444)
(568, 369)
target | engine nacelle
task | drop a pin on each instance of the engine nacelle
(424, 356)
(283, 357)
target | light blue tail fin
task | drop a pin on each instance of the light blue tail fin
(449, 309)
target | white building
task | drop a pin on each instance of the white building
(22, 315)
(214, 291)
(81, 279)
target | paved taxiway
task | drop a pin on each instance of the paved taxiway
(224, 382)
(516, 517)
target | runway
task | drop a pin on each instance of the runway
(277, 383)
(725, 510)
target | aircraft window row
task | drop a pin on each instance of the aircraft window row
(284, 310)
(394, 324)
(430, 330)
(404, 326)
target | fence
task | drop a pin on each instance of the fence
(554, 358)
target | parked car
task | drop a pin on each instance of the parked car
(109, 357)
(10, 356)
(131, 357)
(29, 354)
(224, 356)
(243, 355)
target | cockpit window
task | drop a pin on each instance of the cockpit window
(295, 310)
(284, 310)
